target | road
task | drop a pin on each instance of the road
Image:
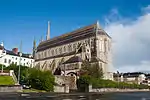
(48, 96)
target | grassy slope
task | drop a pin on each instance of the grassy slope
(6, 80)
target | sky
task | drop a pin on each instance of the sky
(126, 21)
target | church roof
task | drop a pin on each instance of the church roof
(76, 35)
(73, 59)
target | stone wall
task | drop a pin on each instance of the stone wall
(114, 90)
(67, 80)
(13, 88)
(61, 89)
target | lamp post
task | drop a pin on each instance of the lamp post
(20, 54)
(2, 55)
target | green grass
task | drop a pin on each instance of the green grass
(6, 80)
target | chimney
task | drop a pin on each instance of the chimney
(15, 50)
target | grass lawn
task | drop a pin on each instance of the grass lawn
(6, 80)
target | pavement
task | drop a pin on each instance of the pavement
(49, 96)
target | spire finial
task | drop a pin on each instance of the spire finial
(98, 26)
(48, 31)
(2, 44)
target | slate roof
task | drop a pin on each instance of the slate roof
(73, 59)
(76, 35)
(127, 75)
(12, 53)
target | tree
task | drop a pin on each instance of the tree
(23, 71)
(92, 70)
(42, 80)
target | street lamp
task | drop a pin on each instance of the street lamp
(20, 54)
(2, 55)
(19, 67)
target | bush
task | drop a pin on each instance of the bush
(83, 83)
(101, 83)
(42, 80)
(23, 71)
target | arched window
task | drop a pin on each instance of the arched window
(64, 48)
(74, 46)
(69, 47)
(105, 45)
(52, 52)
(60, 50)
(45, 54)
(49, 52)
(56, 52)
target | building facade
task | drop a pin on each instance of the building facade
(134, 77)
(66, 53)
(8, 57)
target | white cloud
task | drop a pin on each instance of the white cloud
(131, 42)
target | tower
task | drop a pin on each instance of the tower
(48, 31)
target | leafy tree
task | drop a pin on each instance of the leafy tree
(92, 70)
(23, 71)
(83, 83)
(42, 80)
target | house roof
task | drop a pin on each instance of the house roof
(78, 34)
(133, 74)
(14, 54)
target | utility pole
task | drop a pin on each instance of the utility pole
(20, 54)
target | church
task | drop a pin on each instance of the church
(65, 54)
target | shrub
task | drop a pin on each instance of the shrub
(42, 80)
(83, 83)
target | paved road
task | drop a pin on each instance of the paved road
(77, 96)
(48, 96)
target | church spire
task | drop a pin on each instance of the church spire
(48, 31)
(34, 47)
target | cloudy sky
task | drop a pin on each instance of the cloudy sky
(131, 40)
(126, 21)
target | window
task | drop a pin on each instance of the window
(108, 46)
(105, 45)
(69, 47)
(9, 61)
(86, 41)
(60, 50)
(5, 60)
(64, 48)
(16, 63)
(45, 55)
(74, 46)
(16, 58)
(39, 56)
(52, 52)
(56, 51)
(49, 52)
(24, 59)
(24, 64)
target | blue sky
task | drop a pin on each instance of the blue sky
(26, 19)
(127, 22)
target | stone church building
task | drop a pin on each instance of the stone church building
(64, 54)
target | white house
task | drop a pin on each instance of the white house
(8, 57)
